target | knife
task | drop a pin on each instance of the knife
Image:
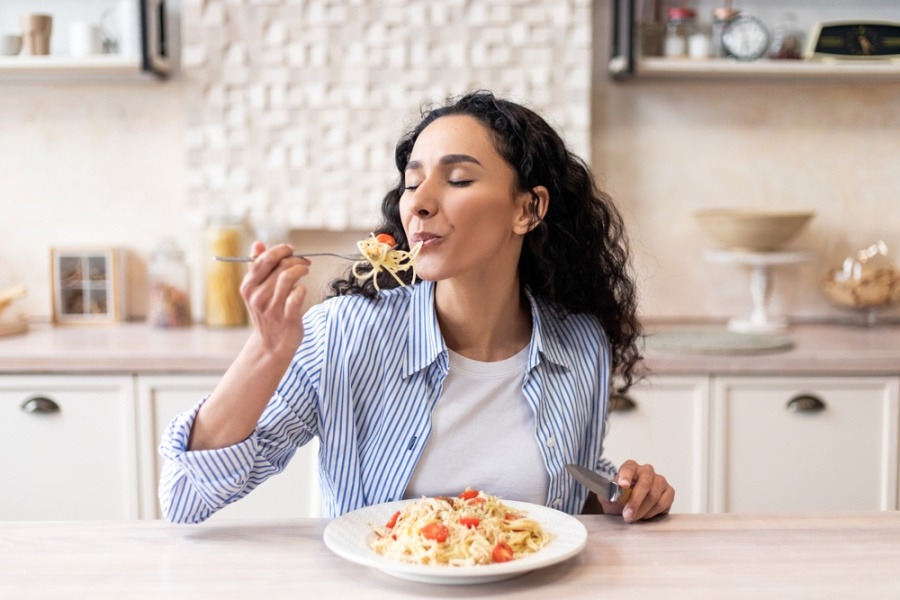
(603, 487)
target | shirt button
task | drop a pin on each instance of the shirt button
(556, 502)
(551, 443)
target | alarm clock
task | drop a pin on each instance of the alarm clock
(855, 40)
(745, 38)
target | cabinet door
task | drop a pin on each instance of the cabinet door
(70, 449)
(786, 444)
(662, 421)
(291, 494)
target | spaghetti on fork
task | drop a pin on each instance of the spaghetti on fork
(380, 253)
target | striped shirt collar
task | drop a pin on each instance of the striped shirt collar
(425, 342)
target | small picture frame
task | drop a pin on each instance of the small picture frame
(86, 284)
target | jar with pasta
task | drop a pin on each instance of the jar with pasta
(224, 307)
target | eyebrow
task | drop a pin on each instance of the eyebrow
(448, 159)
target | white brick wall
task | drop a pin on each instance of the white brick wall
(294, 106)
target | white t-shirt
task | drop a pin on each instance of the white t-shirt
(482, 412)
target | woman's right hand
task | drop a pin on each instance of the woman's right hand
(274, 294)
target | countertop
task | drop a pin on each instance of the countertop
(137, 347)
(734, 556)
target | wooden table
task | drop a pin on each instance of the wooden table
(846, 555)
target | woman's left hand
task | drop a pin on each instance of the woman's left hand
(651, 494)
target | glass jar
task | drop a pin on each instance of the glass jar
(169, 302)
(721, 16)
(680, 26)
(225, 236)
(698, 43)
(787, 41)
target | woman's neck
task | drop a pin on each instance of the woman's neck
(486, 322)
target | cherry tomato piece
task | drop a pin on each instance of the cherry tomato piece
(435, 531)
(393, 520)
(468, 494)
(386, 238)
(503, 552)
(470, 522)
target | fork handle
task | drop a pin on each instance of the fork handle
(244, 259)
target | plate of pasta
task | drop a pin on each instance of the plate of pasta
(468, 539)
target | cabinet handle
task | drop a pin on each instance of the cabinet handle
(39, 405)
(806, 403)
(620, 403)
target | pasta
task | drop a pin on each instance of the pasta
(472, 529)
(224, 305)
(379, 253)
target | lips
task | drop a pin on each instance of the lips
(427, 238)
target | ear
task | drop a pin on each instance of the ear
(532, 205)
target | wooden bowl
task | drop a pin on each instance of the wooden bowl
(752, 230)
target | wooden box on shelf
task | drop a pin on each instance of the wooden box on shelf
(87, 285)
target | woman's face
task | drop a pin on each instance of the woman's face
(461, 202)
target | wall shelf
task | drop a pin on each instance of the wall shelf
(42, 68)
(881, 70)
(626, 63)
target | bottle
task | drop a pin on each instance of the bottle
(169, 302)
(224, 306)
(721, 16)
(680, 26)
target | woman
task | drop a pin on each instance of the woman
(492, 371)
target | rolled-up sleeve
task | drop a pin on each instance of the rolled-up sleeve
(196, 483)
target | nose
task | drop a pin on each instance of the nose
(423, 201)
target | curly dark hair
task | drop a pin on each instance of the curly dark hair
(576, 258)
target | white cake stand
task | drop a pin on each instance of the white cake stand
(761, 264)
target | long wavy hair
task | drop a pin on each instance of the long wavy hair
(576, 258)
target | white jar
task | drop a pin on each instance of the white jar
(680, 26)
(698, 44)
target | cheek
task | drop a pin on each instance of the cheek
(403, 210)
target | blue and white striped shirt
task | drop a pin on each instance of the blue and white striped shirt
(365, 380)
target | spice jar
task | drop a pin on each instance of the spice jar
(787, 42)
(169, 303)
(225, 236)
(680, 26)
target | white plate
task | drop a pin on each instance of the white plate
(347, 537)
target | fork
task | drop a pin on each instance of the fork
(243, 259)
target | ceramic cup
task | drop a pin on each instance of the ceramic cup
(36, 30)
(84, 39)
(10, 44)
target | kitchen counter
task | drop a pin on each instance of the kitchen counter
(819, 349)
(121, 348)
(136, 347)
(809, 555)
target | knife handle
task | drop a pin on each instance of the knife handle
(623, 496)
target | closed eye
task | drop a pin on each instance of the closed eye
(460, 183)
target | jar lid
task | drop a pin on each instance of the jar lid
(168, 249)
(723, 13)
(681, 12)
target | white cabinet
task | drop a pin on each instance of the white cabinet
(70, 448)
(290, 494)
(804, 443)
(662, 421)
